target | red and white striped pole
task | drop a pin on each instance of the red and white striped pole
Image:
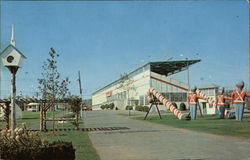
(210, 101)
(168, 104)
(205, 97)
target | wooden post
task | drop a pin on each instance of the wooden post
(41, 117)
(53, 117)
(148, 111)
(44, 120)
(158, 110)
(13, 71)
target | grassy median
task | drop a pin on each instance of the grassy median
(207, 123)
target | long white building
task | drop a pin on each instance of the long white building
(131, 89)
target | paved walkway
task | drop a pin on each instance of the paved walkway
(149, 141)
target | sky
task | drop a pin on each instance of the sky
(103, 40)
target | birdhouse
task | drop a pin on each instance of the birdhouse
(12, 57)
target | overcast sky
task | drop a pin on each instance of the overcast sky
(106, 39)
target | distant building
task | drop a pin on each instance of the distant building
(131, 89)
(34, 107)
(210, 90)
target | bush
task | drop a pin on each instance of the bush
(146, 109)
(27, 145)
(139, 108)
(183, 107)
(142, 108)
(102, 107)
(174, 105)
(111, 106)
(129, 107)
(108, 106)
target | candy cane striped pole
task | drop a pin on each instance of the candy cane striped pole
(168, 104)
(205, 97)
(210, 101)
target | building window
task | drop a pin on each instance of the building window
(146, 100)
(141, 100)
(175, 97)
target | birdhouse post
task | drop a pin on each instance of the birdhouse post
(12, 59)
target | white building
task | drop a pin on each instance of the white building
(131, 89)
(210, 90)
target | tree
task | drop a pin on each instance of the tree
(75, 106)
(51, 87)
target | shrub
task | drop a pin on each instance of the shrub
(142, 108)
(27, 145)
(108, 106)
(111, 105)
(183, 107)
(102, 107)
(146, 109)
(139, 108)
(129, 107)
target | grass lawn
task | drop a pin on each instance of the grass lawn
(207, 123)
(29, 118)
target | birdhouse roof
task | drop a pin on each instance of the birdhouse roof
(11, 46)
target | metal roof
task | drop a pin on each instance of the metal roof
(171, 67)
(209, 86)
(161, 67)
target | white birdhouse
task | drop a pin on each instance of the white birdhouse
(12, 57)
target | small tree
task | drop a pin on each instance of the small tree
(51, 87)
(75, 106)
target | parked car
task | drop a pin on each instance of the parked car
(87, 108)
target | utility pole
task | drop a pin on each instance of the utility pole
(80, 87)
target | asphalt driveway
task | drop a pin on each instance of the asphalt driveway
(148, 141)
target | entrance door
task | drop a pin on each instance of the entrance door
(204, 107)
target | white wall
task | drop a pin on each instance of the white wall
(163, 85)
(134, 87)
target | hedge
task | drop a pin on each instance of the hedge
(108, 106)
(142, 108)
(27, 145)
(129, 107)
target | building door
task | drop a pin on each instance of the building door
(204, 107)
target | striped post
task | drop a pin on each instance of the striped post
(168, 104)
(205, 97)
(210, 101)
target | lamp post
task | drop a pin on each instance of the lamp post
(187, 65)
(12, 59)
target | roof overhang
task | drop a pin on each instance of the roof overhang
(171, 67)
